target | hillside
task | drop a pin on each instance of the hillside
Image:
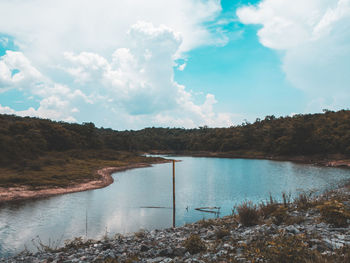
(328, 133)
(39, 152)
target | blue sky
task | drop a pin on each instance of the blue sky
(125, 65)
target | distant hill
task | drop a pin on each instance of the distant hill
(310, 134)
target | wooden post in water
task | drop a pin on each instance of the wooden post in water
(173, 193)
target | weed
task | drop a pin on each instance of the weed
(282, 248)
(334, 213)
(248, 214)
(267, 209)
(303, 201)
(286, 199)
(280, 215)
(49, 247)
(205, 223)
(76, 243)
(110, 260)
(194, 244)
(131, 259)
(222, 233)
(140, 234)
(294, 220)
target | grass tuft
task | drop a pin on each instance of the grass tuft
(248, 214)
(194, 244)
(335, 213)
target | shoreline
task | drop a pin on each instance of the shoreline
(298, 230)
(20, 193)
(332, 160)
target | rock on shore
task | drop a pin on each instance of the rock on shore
(216, 240)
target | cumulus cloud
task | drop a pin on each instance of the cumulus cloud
(139, 80)
(314, 37)
(133, 86)
(50, 108)
(182, 67)
(17, 70)
(56, 100)
(58, 26)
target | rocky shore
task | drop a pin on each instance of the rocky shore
(305, 230)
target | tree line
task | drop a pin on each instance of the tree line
(23, 138)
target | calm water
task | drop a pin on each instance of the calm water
(118, 207)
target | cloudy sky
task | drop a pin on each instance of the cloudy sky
(130, 64)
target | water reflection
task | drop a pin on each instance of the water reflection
(121, 207)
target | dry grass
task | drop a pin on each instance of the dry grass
(280, 215)
(291, 249)
(194, 244)
(61, 169)
(266, 209)
(287, 249)
(221, 233)
(206, 222)
(334, 212)
(248, 214)
(304, 201)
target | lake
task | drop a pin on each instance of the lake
(121, 207)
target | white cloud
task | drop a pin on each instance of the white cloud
(56, 100)
(182, 67)
(4, 41)
(139, 81)
(108, 61)
(134, 86)
(45, 29)
(314, 36)
(17, 70)
(50, 108)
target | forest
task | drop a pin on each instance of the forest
(327, 133)
(39, 152)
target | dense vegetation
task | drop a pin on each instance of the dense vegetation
(31, 145)
(28, 138)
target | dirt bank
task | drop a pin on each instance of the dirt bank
(23, 192)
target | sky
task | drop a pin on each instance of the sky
(130, 64)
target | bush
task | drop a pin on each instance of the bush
(267, 209)
(280, 215)
(282, 248)
(206, 223)
(335, 213)
(286, 199)
(222, 233)
(303, 201)
(194, 244)
(248, 214)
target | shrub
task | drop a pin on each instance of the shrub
(267, 209)
(294, 220)
(77, 243)
(222, 233)
(248, 214)
(140, 234)
(335, 213)
(194, 244)
(303, 201)
(280, 215)
(282, 248)
(206, 223)
(286, 199)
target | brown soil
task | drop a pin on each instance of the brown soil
(23, 192)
